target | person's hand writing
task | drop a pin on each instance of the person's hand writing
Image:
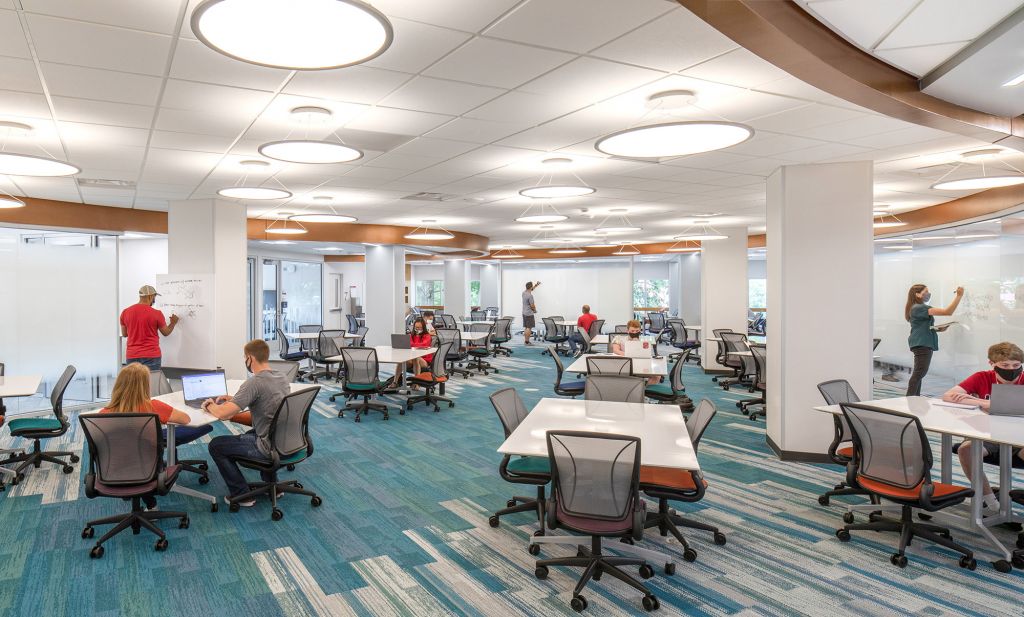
(174, 319)
(959, 292)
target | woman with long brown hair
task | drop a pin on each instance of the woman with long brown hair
(924, 336)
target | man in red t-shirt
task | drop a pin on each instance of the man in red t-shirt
(140, 324)
(584, 322)
(1006, 360)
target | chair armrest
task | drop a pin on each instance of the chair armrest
(90, 486)
(165, 480)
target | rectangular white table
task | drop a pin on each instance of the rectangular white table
(300, 336)
(600, 339)
(390, 355)
(16, 386)
(474, 337)
(977, 426)
(642, 367)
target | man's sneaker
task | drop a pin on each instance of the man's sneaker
(245, 503)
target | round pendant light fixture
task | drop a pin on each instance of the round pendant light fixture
(674, 139)
(254, 193)
(322, 218)
(13, 164)
(567, 250)
(426, 232)
(974, 182)
(557, 191)
(627, 249)
(616, 222)
(8, 202)
(285, 229)
(293, 34)
(979, 182)
(505, 253)
(541, 218)
(309, 151)
(700, 231)
(684, 246)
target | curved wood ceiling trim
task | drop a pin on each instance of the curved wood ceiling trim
(374, 234)
(780, 32)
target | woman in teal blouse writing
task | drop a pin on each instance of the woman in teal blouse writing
(924, 336)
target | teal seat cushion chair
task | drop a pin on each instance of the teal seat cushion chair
(529, 465)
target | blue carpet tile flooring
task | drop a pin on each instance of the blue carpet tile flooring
(403, 531)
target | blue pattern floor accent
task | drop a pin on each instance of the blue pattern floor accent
(403, 531)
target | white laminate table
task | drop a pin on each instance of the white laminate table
(474, 337)
(973, 424)
(299, 336)
(642, 367)
(13, 386)
(467, 323)
(600, 339)
(387, 354)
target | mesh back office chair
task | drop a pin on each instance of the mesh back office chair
(8, 451)
(595, 328)
(565, 388)
(892, 459)
(609, 365)
(126, 462)
(491, 313)
(657, 323)
(585, 338)
(40, 428)
(447, 321)
(353, 323)
(409, 320)
(289, 445)
(733, 342)
(674, 392)
(759, 355)
(329, 345)
(621, 329)
(478, 315)
(553, 335)
(361, 333)
(432, 380)
(457, 354)
(595, 479)
(666, 485)
(285, 349)
(720, 351)
(158, 384)
(481, 349)
(308, 346)
(522, 469)
(839, 392)
(362, 380)
(290, 369)
(502, 334)
(618, 388)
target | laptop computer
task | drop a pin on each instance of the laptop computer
(401, 341)
(1006, 400)
(197, 387)
(638, 349)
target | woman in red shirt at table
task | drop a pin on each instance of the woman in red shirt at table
(421, 339)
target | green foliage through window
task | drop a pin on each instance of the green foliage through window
(474, 293)
(429, 293)
(757, 297)
(650, 293)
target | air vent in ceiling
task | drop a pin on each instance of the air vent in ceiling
(99, 183)
(431, 196)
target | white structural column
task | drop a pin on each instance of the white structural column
(689, 286)
(819, 297)
(490, 285)
(456, 287)
(384, 303)
(723, 289)
(208, 236)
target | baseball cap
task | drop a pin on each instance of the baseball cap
(148, 290)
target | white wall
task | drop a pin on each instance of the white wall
(490, 286)
(650, 270)
(689, 283)
(385, 301)
(724, 290)
(607, 286)
(353, 278)
(138, 263)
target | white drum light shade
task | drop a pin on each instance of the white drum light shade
(8, 202)
(542, 218)
(566, 251)
(542, 192)
(322, 218)
(674, 139)
(293, 34)
(253, 192)
(429, 235)
(616, 229)
(980, 182)
(13, 164)
(309, 151)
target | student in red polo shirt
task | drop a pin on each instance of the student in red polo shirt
(140, 324)
(584, 322)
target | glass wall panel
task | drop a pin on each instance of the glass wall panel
(301, 294)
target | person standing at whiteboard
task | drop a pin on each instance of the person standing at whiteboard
(924, 334)
(529, 310)
(140, 323)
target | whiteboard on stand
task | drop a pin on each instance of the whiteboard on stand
(190, 297)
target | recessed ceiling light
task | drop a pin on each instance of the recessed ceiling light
(1016, 81)
(254, 192)
(323, 218)
(293, 34)
(309, 114)
(309, 151)
(674, 139)
(671, 99)
(9, 202)
(980, 182)
(542, 218)
(13, 164)
(551, 192)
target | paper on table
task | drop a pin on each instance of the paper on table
(957, 405)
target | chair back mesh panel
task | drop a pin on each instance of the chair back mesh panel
(678, 331)
(283, 347)
(360, 365)
(478, 315)
(558, 363)
(158, 384)
(361, 333)
(289, 430)
(353, 324)
(438, 362)
(617, 388)
(586, 338)
(550, 329)
(676, 379)
(893, 447)
(448, 321)
(124, 448)
(57, 394)
(621, 329)
(510, 408)
(595, 475)
(657, 321)
(289, 368)
(330, 343)
(309, 344)
(838, 392)
(503, 329)
(595, 327)
(609, 365)
(699, 420)
(449, 335)
(760, 353)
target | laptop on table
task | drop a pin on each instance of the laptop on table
(197, 387)
(638, 349)
(1006, 400)
(401, 341)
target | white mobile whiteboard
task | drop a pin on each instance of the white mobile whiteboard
(190, 297)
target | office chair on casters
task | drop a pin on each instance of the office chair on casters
(532, 470)
(609, 365)
(353, 323)
(478, 315)
(721, 349)
(759, 355)
(892, 459)
(502, 334)
(617, 388)
(284, 348)
(674, 392)
(288, 367)
(362, 380)
(10, 452)
(458, 354)
(38, 429)
(595, 480)
(657, 323)
(553, 335)
(125, 462)
(289, 445)
(432, 380)
(595, 328)
(621, 330)
(158, 386)
(481, 350)
(329, 345)
(564, 388)
(361, 333)
(741, 366)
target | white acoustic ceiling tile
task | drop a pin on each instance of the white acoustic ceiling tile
(476, 131)
(672, 42)
(154, 204)
(356, 84)
(747, 105)
(75, 134)
(20, 74)
(524, 108)
(190, 141)
(440, 96)
(575, 25)
(863, 22)
(378, 173)
(197, 62)
(178, 166)
(468, 15)
(799, 119)
(397, 121)
(101, 85)
(408, 163)
(909, 135)
(221, 123)
(209, 97)
(434, 148)
(855, 128)
(12, 37)
(63, 189)
(587, 124)
(150, 15)
(103, 47)
(588, 80)
(277, 121)
(739, 67)
(709, 160)
(768, 144)
(920, 60)
(497, 63)
(761, 166)
(947, 21)
(106, 197)
(102, 112)
(792, 87)
(417, 46)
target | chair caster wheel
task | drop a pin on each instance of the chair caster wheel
(214, 507)
(88, 532)
(510, 503)
(1018, 562)
(651, 603)
(203, 467)
(96, 552)
(541, 572)
(233, 507)
(184, 522)
(494, 521)
(538, 533)
(74, 458)
(290, 467)
(843, 535)
(298, 485)
(627, 540)
(597, 575)
(690, 555)
(848, 518)
(875, 516)
(68, 469)
(534, 549)
(719, 538)
(1020, 536)
(1002, 566)
(204, 479)
(823, 500)
(670, 569)
(646, 571)
(315, 501)
(276, 514)
(451, 405)
(161, 545)
(578, 603)
(900, 561)
(968, 562)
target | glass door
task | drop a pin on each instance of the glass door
(292, 295)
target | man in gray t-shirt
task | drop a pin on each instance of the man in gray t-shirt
(529, 310)
(262, 395)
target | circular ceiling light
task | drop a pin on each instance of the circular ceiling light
(627, 250)
(322, 218)
(700, 237)
(505, 253)
(550, 192)
(13, 164)
(683, 249)
(309, 151)
(980, 182)
(429, 235)
(542, 218)
(551, 241)
(557, 161)
(601, 245)
(254, 163)
(567, 251)
(615, 229)
(674, 139)
(253, 192)
(885, 224)
(291, 231)
(293, 34)
(309, 114)
(9, 202)
(671, 99)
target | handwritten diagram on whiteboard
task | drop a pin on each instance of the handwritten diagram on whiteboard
(190, 297)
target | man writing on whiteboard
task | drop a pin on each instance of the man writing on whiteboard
(140, 324)
(529, 310)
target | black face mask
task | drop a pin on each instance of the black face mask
(248, 365)
(1009, 374)
(634, 334)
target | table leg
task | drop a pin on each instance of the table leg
(947, 458)
(171, 460)
(978, 522)
(171, 454)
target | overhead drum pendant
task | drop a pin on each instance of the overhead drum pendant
(551, 192)
(293, 34)
(13, 164)
(674, 139)
(8, 202)
(254, 193)
(309, 151)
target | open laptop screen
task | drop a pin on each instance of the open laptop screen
(197, 386)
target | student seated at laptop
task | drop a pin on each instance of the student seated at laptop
(420, 339)
(620, 345)
(1006, 361)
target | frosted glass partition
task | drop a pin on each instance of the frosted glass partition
(58, 306)
(987, 259)
(301, 294)
(605, 285)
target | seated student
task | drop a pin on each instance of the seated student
(618, 344)
(1005, 359)
(428, 319)
(131, 395)
(584, 322)
(262, 394)
(421, 339)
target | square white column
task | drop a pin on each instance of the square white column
(723, 290)
(456, 287)
(384, 305)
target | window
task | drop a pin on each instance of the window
(429, 293)
(757, 297)
(649, 293)
(474, 293)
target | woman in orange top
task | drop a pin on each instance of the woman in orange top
(421, 339)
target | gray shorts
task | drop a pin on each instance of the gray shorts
(529, 321)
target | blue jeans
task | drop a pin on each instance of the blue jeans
(574, 338)
(224, 447)
(152, 364)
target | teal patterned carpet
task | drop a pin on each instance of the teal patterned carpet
(403, 531)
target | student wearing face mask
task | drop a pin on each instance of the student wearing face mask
(924, 336)
(420, 339)
(633, 332)
(1006, 362)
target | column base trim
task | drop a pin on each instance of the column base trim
(797, 457)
